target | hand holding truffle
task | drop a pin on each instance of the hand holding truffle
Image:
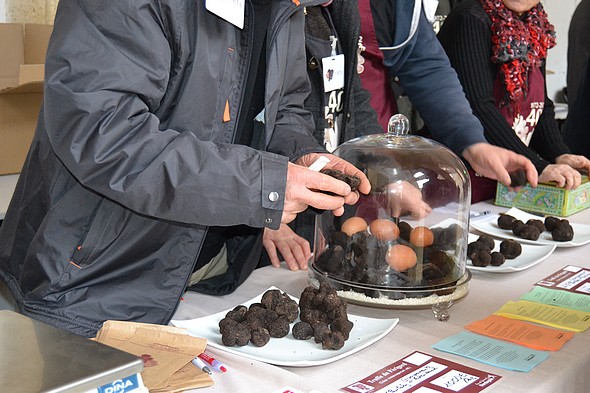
(321, 191)
(497, 163)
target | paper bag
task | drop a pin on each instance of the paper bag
(166, 351)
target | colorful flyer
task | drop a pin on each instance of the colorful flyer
(520, 332)
(559, 317)
(491, 351)
(555, 297)
(571, 278)
(420, 372)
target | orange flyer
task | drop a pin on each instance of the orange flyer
(520, 332)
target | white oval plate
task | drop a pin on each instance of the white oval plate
(489, 224)
(530, 256)
(288, 351)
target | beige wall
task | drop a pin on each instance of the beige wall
(29, 11)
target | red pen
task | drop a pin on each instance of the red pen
(216, 364)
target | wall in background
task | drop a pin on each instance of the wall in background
(28, 11)
(560, 13)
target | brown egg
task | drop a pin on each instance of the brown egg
(384, 229)
(421, 237)
(354, 225)
(401, 258)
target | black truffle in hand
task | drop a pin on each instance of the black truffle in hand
(352, 181)
(518, 178)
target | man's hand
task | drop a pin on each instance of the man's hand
(404, 197)
(497, 163)
(309, 188)
(294, 249)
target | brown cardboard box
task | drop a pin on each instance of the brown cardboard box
(22, 58)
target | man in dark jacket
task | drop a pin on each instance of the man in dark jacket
(148, 171)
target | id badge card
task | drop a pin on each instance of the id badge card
(230, 10)
(333, 67)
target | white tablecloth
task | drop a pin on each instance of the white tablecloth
(566, 370)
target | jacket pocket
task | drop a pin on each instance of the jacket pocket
(99, 225)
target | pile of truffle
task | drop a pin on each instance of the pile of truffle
(560, 229)
(383, 253)
(323, 317)
(481, 254)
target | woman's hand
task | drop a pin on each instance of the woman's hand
(294, 249)
(563, 175)
(580, 163)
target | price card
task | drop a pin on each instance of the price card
(555, 297)
(571, 278)
(419, 372)
(520, 332)
(491, 351)
(559, 317)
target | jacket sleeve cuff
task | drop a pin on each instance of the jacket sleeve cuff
(274, 175)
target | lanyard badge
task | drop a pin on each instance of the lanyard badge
(333, 68)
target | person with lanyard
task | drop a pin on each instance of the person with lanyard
(400, 43)
(499, 49)
(171, 133)
(342, 109)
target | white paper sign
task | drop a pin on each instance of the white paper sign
(230, 10)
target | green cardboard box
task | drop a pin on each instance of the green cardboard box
(546, 198)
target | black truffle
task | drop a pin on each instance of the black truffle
(302, 331)
(530, 232)
(505, 221)
(482, 258)
(260, 337)
(487, 241)
(352, 181)
(563, 232)
(510, 248)
(404, 230)
(476, 246)
(334, 340)
(235, 335)
(517, 227)
(551, 222)
(498, 259)
(538, 223)
(342, 325)
(279, 327)
(518, 178)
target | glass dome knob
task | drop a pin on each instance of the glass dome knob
(398, 125)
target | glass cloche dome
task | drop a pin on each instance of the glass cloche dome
(405, 244)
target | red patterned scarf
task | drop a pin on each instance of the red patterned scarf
(519, 43)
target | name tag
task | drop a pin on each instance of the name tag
(333, 67)
(230, 10)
